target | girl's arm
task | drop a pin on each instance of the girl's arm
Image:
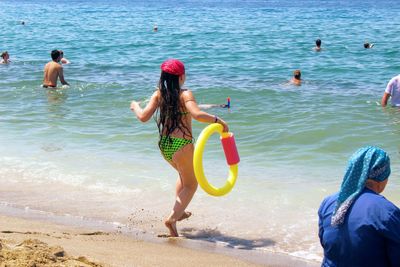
(197, 114)
(145, 114)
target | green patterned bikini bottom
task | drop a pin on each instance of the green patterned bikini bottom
(169, 146)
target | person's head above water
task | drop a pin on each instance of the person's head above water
(297, 74)
(318, 42)
(368, 45)
(4, 55)
(55, 55)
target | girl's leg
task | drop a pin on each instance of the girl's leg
(184, 163)
(178, 189)
(179, 185)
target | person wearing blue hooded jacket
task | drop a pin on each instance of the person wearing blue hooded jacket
(357, 226)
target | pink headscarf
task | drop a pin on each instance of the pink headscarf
(173, 66)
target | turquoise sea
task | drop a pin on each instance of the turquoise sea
(80, 153)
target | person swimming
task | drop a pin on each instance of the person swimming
(5, 58)
(317, 47)
(227, 105)
(368, 45)
(296, 80)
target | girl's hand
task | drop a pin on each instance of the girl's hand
(224, 124)
(134, 105)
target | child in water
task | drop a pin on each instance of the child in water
(176, 108)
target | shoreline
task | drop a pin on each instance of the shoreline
(106, 246)
(139, 206)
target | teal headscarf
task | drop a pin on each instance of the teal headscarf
(367, 163)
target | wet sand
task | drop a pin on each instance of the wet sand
(25, 241)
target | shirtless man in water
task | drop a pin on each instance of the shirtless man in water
(53, 70)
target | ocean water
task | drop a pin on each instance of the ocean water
(81, 153)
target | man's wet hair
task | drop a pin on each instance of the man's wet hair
(318, 42)
(55, 54)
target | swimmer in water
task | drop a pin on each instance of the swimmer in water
(227, 105)
(296, 80)
(368, 45)
(317, 47)
(5, 58)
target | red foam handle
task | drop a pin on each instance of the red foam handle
(230, 150)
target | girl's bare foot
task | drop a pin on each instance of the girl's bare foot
(185, 215)
(171, 225)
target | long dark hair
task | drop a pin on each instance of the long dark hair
(170, 109)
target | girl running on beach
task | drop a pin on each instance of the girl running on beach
(176, 108)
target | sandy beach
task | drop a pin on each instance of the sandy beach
(82, 179)
(26, 242)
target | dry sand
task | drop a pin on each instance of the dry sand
(41, 243)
